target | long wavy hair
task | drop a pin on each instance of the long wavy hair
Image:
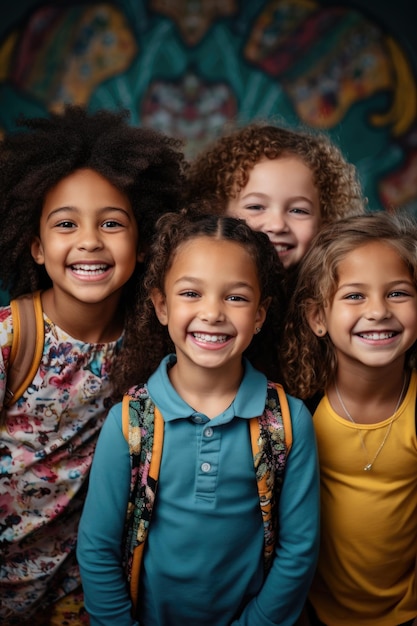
(310, 361)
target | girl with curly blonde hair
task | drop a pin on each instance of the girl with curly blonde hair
(284, 182)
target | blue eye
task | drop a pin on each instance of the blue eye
(354, 296)
(399, 294)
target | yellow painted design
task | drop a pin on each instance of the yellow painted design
(403, 112)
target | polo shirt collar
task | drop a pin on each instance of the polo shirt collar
(249, 401)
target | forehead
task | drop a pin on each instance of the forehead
(378, 257)
(283, 179)
(84, 187)
(205, 246)
(204, 256)
(285, 165)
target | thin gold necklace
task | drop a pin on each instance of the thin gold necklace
(369, 465)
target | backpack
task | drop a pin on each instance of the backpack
(143, 429)
(27, 345)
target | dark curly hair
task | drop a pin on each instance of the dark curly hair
(148, 341)
(310, 361)
(143, 164)
(221, 170)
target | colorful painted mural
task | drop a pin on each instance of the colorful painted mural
(194, 68)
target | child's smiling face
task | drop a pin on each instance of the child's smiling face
(372, 318)
(211, 304)
(88, 238)
(281, 200)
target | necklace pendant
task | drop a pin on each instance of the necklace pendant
(367, 467)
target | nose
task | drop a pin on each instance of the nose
(89, 239)
(275, 221)
(377, 309)
(211, 311)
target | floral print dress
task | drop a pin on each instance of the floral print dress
(47, 440)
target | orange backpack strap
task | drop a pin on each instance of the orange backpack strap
(154, 474)
(271, 439)
(286, 417)
(155, 441)
(125, 416)
(286, 421)
(27, 345)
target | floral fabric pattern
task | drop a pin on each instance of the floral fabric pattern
(47, 440)
(142, 486)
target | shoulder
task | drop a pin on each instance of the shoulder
(296, 406)
(113, 422)
(301, 419)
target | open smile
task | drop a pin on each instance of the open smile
(378, 336)
(210, 338)
(95, 269)
(282, 248)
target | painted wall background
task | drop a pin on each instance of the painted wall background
(193, 67)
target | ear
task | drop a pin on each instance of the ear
(261, 314)
(316, 319)
(36, 250)
(159, 303)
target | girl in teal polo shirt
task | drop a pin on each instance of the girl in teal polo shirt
(215, 551)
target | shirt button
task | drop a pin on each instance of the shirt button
(208, 432)
(205, 467)
(198, 419)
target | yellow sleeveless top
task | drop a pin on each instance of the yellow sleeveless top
(367, 566)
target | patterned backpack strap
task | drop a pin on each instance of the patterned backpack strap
(285, 414)
(271, 438)
(143, 428)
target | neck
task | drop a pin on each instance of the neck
(369, 399)
(97, 322)
(208, 391)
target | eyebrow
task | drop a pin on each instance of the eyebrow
(73, 209)
(393, 283)
(197, 281)
(260, 194)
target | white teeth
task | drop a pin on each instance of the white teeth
(376, 336)
(281, 248)
(87, 270)
(210, 338)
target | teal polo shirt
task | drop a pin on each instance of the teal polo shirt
(206, 538)
(203, 561)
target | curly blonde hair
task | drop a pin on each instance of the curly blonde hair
(309, 362)
(223, 168)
